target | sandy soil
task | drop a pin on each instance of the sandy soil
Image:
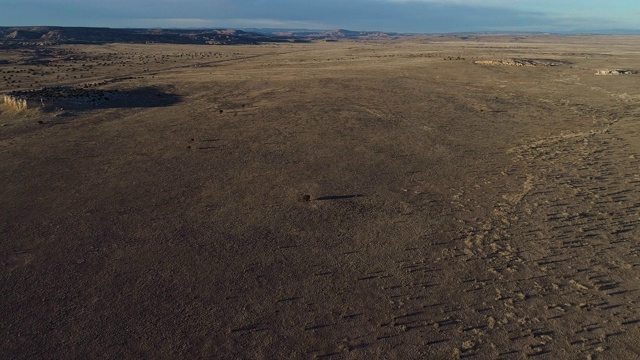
(343, 200)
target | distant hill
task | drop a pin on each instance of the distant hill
(86, 35)
(324, 34)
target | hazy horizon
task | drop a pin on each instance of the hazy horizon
(267, 30)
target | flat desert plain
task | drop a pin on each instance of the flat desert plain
(415, 198)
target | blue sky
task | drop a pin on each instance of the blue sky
(384, 15)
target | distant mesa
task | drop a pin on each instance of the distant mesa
(522, 62)
(23, 35)
(44, 35)
(332, 35)
(616, 72)
(51, 35)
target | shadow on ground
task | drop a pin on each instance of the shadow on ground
(86, 99)
(142, 97)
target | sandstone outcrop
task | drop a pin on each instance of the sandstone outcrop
(616, 72)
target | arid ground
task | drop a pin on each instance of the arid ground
(344, 200)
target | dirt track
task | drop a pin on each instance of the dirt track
(344, 200)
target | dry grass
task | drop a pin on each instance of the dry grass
(341, 200)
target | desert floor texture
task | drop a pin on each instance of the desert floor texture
(346, 200)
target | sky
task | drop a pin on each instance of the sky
(406, 16)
